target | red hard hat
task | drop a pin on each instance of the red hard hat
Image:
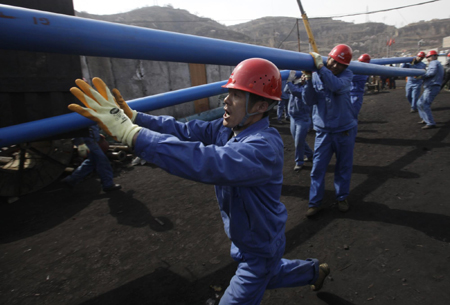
(342, 53)
(258, 76)
(431, 53)
(364, 58)
(448, 55)
(421, 54)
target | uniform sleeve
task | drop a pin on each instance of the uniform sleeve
(334, 83)
(195, 130)
(432, 70)
(246, 163)
(295, 90)
(309, 94)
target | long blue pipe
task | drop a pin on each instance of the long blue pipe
(35, 130)
(39, 31)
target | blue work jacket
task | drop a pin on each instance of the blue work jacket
(284, 94)
(434, 75)
(411, 79)
(330, 97)
(246, 170)
(297, 109)
(358, 84)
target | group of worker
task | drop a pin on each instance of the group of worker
(243, 156)
(432, 81)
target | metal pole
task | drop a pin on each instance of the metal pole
(312, 41)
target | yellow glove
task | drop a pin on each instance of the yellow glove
(123, 105)
(102, 109)
(318, 61)
(413, 61)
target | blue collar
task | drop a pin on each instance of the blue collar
(255, 127)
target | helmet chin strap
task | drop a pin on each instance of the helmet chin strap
(247, 115)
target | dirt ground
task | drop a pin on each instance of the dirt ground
(160, 239)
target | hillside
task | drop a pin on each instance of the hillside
(281, 32)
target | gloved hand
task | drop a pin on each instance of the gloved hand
(413, 61)
(297, 81)
(318, 61)
(291, 76)
(123, 105)
(418, 77)
(102, 109)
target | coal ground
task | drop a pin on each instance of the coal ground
(160, 239)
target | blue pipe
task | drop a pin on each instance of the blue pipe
(35, 130)
(208, 115)
(39, 31)
(388, 61)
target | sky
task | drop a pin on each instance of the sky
(229, 12)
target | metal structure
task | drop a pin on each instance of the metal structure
(305, 19)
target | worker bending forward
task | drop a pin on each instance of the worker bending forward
(241, 155)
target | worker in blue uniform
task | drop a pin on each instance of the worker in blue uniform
(432, 81)
(96, 160)
(300, 115)
(328, 92)
(358, 86)
(414, 85)
(282, 108)
(240, 154)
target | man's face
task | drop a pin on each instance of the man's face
(431, 58)
(334, 66)
(234, 108)
(419, 59)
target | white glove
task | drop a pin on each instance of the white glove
(291, 76)
(318, 61)
(103, 109)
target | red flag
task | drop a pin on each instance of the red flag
(390, 42)
(393, 40)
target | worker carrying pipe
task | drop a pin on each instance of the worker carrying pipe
(327, 91)
(240, 154)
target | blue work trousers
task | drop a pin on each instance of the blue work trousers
(255, 274)
(413, 94)
(98, 161)
(282, 108)
(327, 144)
(425, 101)
(299, 131)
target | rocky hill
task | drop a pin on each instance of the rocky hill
(281, 32)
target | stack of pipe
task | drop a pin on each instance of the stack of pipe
(39, 31)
